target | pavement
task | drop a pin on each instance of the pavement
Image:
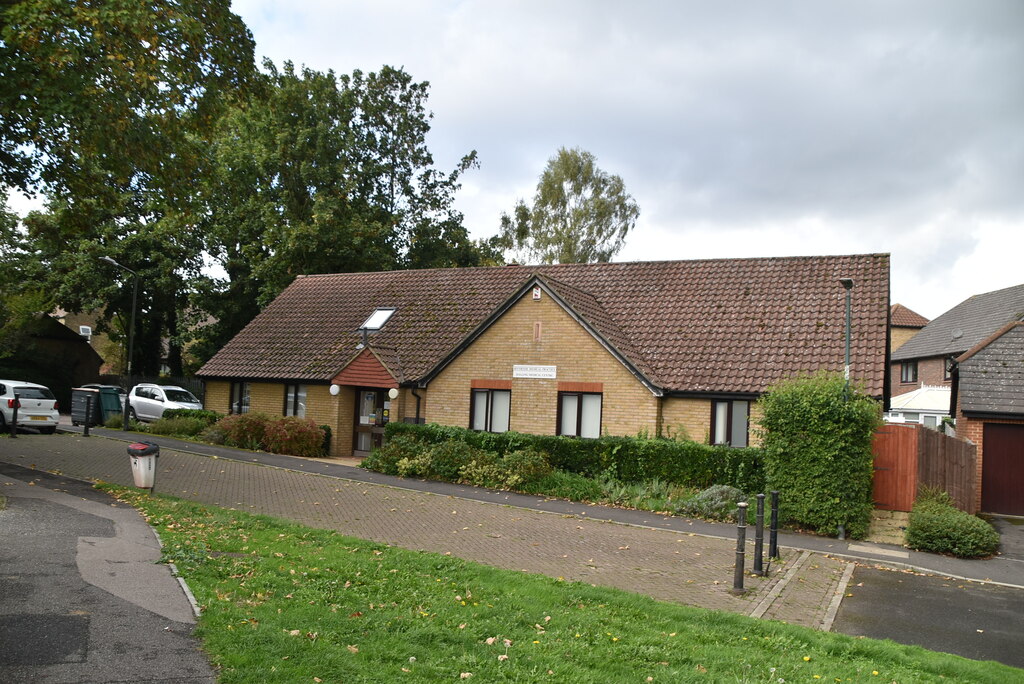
(814, 583)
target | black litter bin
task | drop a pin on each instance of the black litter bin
(144, 455)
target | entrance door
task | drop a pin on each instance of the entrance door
(1002, 469)
(369, 421)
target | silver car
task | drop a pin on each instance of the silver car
(37, 407)
(147, 402)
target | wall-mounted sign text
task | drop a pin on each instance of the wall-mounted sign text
(538, 372)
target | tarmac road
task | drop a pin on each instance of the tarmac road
(971, 619)
(81, 599)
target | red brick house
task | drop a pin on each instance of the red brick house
(927, 358)
(989, 392)
(672, 347)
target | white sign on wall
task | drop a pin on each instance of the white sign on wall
(537, 372)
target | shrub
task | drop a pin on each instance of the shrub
(484, 471)
(629, 459)
(816, 435)
(565, 485)
(385, 459)
(208, 417)
(936, 525)
(245, 430)
(294, 436)
(114, 422)
(523, 467)
(718, 502)
(445, 461)
(213, 434)
(185, 427)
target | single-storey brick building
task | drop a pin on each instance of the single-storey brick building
(671, 347)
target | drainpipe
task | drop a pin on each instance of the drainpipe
(413, 390)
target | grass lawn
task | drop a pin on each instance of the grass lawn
(286, 603)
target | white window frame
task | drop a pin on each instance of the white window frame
(580, 414)
(495, 405)
(730, 422)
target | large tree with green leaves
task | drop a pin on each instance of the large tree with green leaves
(580, 214)
(117, 86)
(104, 107)
(320, 173)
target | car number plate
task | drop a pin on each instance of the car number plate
(38, 417)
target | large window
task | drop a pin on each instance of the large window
(239, 398)
(489, 410)
(579, 414)
(908, 371)
(730, 422)
(295, 400)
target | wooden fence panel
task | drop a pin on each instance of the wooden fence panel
(949, 464)
(895, 449)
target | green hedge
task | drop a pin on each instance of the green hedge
(208, 417)
(936, 525)
(630, 459)
(816, 435)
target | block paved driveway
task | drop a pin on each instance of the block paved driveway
(804, 588)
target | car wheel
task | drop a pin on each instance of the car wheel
(3, 422)
(131, 414)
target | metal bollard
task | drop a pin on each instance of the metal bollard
(773, 533)
(759, 538)
(741, 547)
(14, 416)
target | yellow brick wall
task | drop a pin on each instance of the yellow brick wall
(900, 336)
(627, 406)
(268, 397)
(218, 396)
(690, 417)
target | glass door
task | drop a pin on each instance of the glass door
(369, 421)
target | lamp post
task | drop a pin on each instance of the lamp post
(131, 339)
(848, 286)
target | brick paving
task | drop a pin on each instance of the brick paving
(668, 565)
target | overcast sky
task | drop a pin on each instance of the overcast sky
(741, 129)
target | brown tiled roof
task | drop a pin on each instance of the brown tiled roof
(717, 325)
(902, 317)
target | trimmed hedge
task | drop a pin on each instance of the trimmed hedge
(630, 459)
(208, 417)
(938, 526)
(816, 434)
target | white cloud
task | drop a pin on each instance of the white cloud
(742, 129)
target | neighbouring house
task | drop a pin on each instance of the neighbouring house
(989, 395)
(927, 358)
(927, 406)
(657, 348)
(85, 324)
(903, 324)
(51, 354)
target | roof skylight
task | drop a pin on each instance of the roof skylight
(377, 319)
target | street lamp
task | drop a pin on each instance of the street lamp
(131, 338)
(847, 285)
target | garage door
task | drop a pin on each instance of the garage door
(1002, 477)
